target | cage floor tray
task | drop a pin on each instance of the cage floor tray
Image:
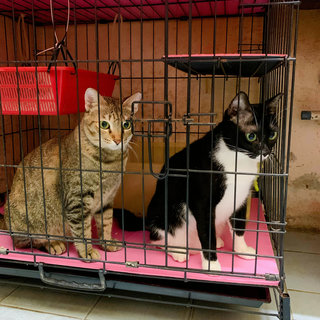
(157, 264)
(246, 65)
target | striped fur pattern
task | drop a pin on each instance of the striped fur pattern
(64, 205)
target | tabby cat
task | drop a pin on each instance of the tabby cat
(66, 203)
(215, 151)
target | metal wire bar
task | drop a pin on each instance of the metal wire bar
(166, 98)
(238, 83)
(280, 57)
(142, 138)
(188, 133)
(138, 245)
(139, 172)
(39, 130)
(211, 222)
(20, 127)
(99, 121)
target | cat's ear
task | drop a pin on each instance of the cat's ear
(239, 103)
(91, 98)
(128, 102)
(272, 104)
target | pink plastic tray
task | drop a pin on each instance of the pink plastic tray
(115, 260)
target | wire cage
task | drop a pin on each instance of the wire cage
(189, 59)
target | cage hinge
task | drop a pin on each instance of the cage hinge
(3, 250)
(271, 277)
(132, 264)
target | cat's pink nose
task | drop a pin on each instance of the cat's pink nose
(117, 141)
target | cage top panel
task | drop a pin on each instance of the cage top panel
(246, 65)
(84, 11)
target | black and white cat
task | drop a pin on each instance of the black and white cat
(215, 151)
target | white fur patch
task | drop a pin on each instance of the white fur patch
(228, 203)
(179, 239)
(210, 265)
(240, 246)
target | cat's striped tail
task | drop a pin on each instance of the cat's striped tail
(129, 220)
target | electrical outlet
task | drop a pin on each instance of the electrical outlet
(310, 115)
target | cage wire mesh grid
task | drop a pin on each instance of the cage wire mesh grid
(188, 59)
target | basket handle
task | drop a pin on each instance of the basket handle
(114, 40)
(112, 67)
(59, 46)
(58, 280)
(117, 19)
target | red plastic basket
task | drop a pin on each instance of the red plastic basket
(57, 89)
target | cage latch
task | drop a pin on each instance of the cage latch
(132, 264)
(186, 120)
(167, 121)
(271, 277)
(3, 250)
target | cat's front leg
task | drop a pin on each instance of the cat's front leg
(79, 219)
(240, 245)
(84, 248)
(209, 258)
(104, 225)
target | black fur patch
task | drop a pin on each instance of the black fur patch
(207, 189)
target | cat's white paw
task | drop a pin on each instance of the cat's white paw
(220, 243)
(240, 246)
(179, 257)
(248, 250)
(212, 266)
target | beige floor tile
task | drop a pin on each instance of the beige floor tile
(17, 314)
(302, 242)
(5, 290)
(115, 309)
(303, 272)
(205, 314)
(56, 302)
(305, 306)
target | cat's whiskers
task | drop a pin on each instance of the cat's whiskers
(271, 159)
(132, 142)
(238, 149)
(133, 151)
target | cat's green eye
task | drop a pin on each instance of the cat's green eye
(273, 135)
(126, 125)
(105, 124)
(251, 137)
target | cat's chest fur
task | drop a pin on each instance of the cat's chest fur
(110, 183)
(231, 199)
